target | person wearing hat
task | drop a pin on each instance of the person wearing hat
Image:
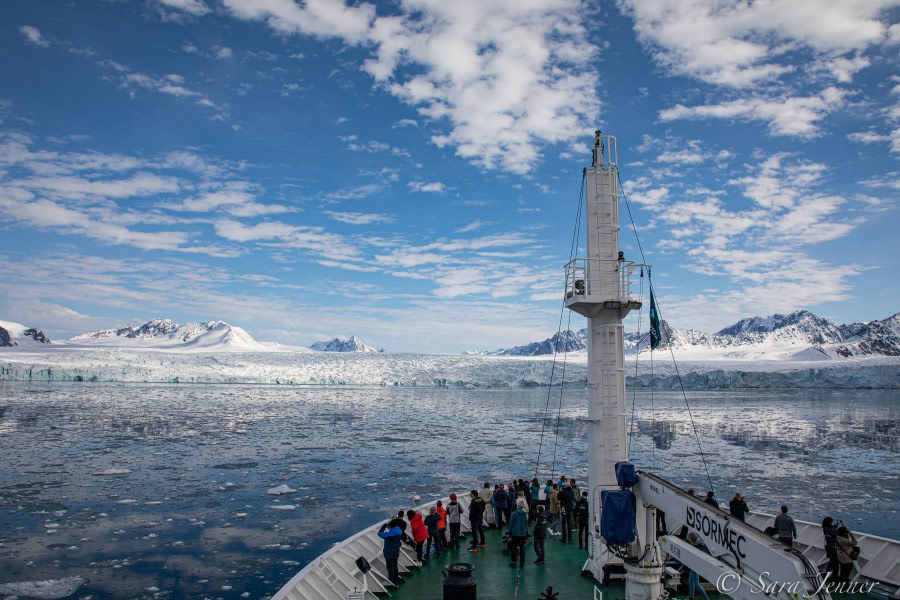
(518, 532)
(393, 533)
(454, 518)
(693, 578)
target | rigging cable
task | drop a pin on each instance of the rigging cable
(562, 309)
(672, 353)
(637, 354)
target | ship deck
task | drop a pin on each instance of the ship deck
(496, 579)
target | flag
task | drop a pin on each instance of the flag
(655, 333)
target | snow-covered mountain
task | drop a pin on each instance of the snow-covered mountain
(165, 334)
(800, 335)
(567, 341)
(16, 334)
(354, 344)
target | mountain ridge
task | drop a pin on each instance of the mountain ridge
(800, 335)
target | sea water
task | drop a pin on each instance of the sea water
(146, 490)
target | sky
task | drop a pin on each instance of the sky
(410, 172)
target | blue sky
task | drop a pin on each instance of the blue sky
(409, 172)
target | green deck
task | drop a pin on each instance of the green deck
(497, 580)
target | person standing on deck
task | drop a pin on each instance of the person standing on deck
(582, 513)
(711, 499)
(419, 533)
(518, 532)
(540, 533)
(454, 520)
(576, 491)
(535, 498)
(431, 525)
(547, 489)
(829, 530)
(554, 508)
(845, 545)
(442, 524)
(738, 507)
(784, 523)
(488, 498)
(693, 578)
(500, 499)
(566, 506)
(393, 535)
(476, 516)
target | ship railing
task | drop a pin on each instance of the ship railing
(879, 557)
(601, 281)
(335, 573)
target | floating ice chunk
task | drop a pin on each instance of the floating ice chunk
(114, 472)
(245, 595)
(127, 501)
(240, 515)
(281, 489)
(51, 588)
(372, 484)
(283, 506)
(153, 589)
(226, 588)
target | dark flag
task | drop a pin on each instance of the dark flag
(655, 333)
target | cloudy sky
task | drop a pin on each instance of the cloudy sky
(409, 172)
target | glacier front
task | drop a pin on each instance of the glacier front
(430, 370)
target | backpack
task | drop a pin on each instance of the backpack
(854, 554)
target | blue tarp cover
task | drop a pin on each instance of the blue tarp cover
(617, 520)
(626, 474)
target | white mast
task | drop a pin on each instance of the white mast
(599, 287)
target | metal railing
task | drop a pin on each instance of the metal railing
(599, 280)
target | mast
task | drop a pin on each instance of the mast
(599, 287)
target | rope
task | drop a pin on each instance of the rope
(671, 352)
(637, 354)
(562, 310)
(562, 385)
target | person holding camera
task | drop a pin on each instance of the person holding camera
(847, 552)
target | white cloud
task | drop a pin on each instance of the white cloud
(357, 218)
(195, 8)
(505, 77)
(868, 137)
(323, 18)
(743, 44)
(171, 84)
(33, 36)
(476, 224)
(788, 116)
(435, 187)
(319, 242)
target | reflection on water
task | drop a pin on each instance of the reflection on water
(168, 484)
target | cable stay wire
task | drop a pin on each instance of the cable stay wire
(637, 354)
(671, 351)
(572, 250)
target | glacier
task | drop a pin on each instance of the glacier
(127, 365)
